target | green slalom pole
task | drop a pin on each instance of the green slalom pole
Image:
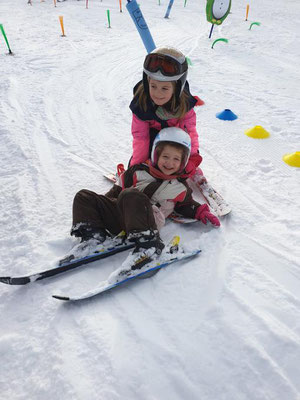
(5, 38)
(108, 18)
(254, 23)
(185, 2)
(219, 40)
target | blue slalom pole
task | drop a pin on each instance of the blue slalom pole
(169, 8)
(141, 25)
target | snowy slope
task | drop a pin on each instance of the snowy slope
(223, 326)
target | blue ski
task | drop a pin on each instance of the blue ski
(149, 268)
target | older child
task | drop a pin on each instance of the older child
(163, 99)
(145, 195)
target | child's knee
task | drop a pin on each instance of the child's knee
(133, 198)
(131, 194)
(83, 196)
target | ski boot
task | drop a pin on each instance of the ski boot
(146, 242)
(86, 232)
(148, 246)
(91, 241)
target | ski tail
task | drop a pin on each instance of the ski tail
(206, 192)
(215, 200)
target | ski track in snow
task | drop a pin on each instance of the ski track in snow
(224, 325)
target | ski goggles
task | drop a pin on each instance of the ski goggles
(167, 65)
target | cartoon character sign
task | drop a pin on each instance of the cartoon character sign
(217, 10)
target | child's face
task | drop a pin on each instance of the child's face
(169, 160)
(160, 92)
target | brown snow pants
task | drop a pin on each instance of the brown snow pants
(131, 211)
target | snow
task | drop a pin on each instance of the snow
(224, 325)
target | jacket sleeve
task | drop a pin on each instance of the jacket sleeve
(126, 180)
(141, 140)
(188, 206)
(189, 121)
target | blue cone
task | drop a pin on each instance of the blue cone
(226, 115)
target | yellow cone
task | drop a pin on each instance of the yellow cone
(292, 159)
(257, 132)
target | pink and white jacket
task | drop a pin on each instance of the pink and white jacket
(167, 193)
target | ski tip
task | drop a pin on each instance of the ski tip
(224, 212)
(61, 297)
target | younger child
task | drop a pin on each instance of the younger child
(163, 99)
(145, 195)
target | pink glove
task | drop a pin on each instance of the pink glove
(203, 214)
(193, 163)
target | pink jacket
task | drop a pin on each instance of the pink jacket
(141, 137)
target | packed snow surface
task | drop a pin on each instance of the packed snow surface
(222, 326)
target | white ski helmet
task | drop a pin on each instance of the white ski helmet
(175, 135)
